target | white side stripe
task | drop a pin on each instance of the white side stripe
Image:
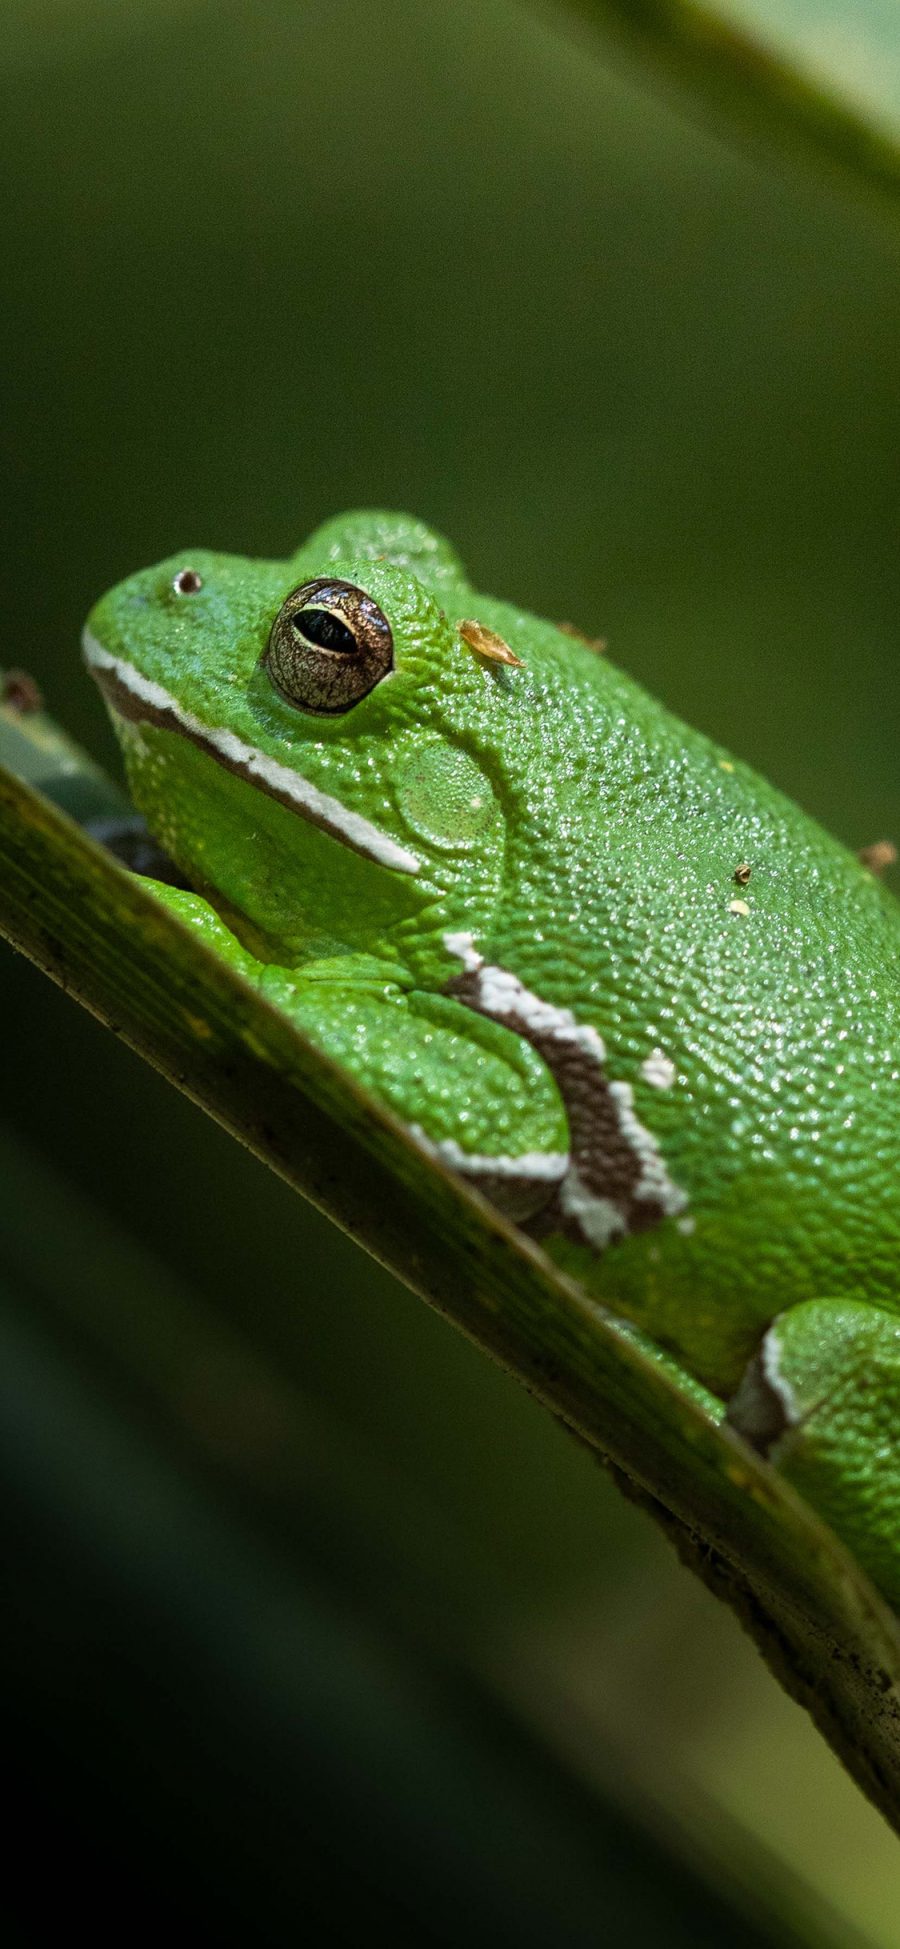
(770, 1361)
(599, 1215)
(255, 765)
(543, 1166)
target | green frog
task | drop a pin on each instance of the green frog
(600, 967)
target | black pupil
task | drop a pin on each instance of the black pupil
(325, 630)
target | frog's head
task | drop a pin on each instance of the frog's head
(309, 735)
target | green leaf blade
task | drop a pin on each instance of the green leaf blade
(96, 930)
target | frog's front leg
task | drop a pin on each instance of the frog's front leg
(470, 1089)
(821, 1399)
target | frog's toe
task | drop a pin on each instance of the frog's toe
(821, 1398)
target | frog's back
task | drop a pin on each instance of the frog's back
(755, 1017)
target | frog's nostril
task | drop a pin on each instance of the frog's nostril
(187, 582)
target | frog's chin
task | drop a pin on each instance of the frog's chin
(137, 699)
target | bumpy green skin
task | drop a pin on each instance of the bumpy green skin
(574, 835)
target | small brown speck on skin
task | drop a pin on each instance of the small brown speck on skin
(187, 582)
(742, 874)
(878, 857)
(20, 693)
(595, 643)
(485, 642)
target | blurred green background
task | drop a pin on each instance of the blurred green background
(263, 261)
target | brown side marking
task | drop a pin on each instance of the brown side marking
(606, 1163)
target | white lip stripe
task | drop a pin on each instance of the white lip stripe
(316, 805)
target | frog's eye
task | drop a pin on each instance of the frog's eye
(330, 644)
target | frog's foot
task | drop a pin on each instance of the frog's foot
(821, 1399)
(197, 914)
(471, 1092)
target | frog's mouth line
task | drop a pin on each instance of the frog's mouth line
(140, 701)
